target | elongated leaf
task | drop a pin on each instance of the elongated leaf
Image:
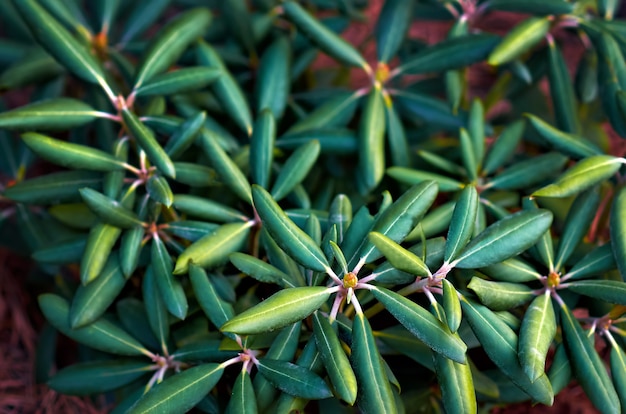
(323, 37)
(286, 234)
(156, 311)
(618, 371)
(159, 190)
(335, 360)
(596, 262)
(59, 186)
(396, 222)
(422, 324)
(527, 173)
(34, 67)
(229, 173)
(454, 53)
(519, 40)
(512, 270)
(587, 364)
(61, 44)
(170, 288)
(181, 392)
(412, 177)
(242, 399)
(108, 210)
(560, 372)
(262, 146)
(500, 296)
(391, 28)
(295, 169)
(371, 166)
(171, 42)
(294, 379)
(97, 377)
(207, 209)
(432, 111)
(572, 145)
(65, 252)
(618, 230)
(213, 249)
(101, 239)
(102, 335)
(584, 174)
(336, 112)
(71, 155)
(536, 335)
(272, 88)
(504, 147)
(562, 91)
(500, 343)
(399, 257)
(260, 270)
(451, 305)
(218, 310)
(226, 88)
(504, 239)
(612, 291)
(184, 136)
(281, 309)
(462, 222)
(146, 140)
(374, 394)
(91, 301)
(181, 80)
(49, 115)
(536, 7)
(457, 385)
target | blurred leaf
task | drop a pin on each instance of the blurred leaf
(272, 87)
(536, 7)
(371, 145)
(295, 169)
(391, 28)
(59, 186)
(262, 146)
(572, 145)
(108, 210)
(181, 80)
(519, 40)
(49, 115)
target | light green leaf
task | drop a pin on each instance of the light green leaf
(573, 145)
(391, 28)
(102, 238)
(462, 222)
(500, 296)
(519, 40)
(536, 335)
(49, 115)
(399, 257)
(178, 81)
(108, 210)
(54, 187)
(242, 399)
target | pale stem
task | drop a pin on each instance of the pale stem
(430, 296)
(357, 306)
(359, 266)
(335, 308)
(333, 275)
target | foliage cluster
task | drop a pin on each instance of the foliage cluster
(228, 227)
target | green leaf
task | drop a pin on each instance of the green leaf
(159, 190)
(71, 155)
(228, 172)
(286, 234)
(451, 305)
(216, 309)
(457, 385)
(49, 115)
(102, 335)
(295, 169)
(504, 147)
(371, 167)
(262, 146)
(391, 28)
(53, 187)
(206, 209)
(462, 222)
(536, 335)
(412, 177)
(156, 311)
(242, 399)
(422, 324)
(171, 42)
(97, 377)
(273, 80)
(324, 38)
(281, 309)
(586, 173)
(519, 40)
(61, 44)
(170, 288)
(35, 66)
(504, 239)
(335, 112)
(332, 141)
(195, 175)
(335, 360)
(525, 174)
(512, 270)
(374, 393)
(500, 295)
(396, 137)
(562, 91)
(501, 344)
(184, 136)
(399, 257)
(65, 252)
(214, 248)
(573, 145)
(560, 372)
(430, 110)
(293, 379)
(587, 364)
(617, 226)
(454, 53)
(396, 222)
(577, 223)
(536, 7)
(108, 210)
(226, 88)
(91, 301)
(260, 270)
(543, 250)
(618, 371)
(180, 392)
(178, 81)
(596, 262)
(146, 140)
(102, 238)
(612, 291)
